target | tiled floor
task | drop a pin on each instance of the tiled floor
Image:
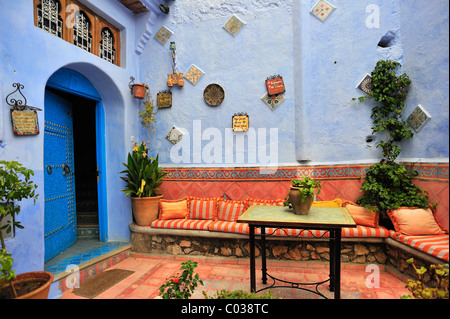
(150, 272)
(82, 251)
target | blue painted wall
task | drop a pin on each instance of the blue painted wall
(30, 56)
(321, 63)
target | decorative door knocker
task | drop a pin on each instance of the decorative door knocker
(66, 169)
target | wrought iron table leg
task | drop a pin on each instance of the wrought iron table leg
(263, 255)
(252, 259)
(337, 264)
(332, 234)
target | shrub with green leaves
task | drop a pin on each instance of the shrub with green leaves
(182, 286)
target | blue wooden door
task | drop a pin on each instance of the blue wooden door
(60, 229)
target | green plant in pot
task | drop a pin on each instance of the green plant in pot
(301, 194)
(388, 184)
(143, 178)
(15, 186)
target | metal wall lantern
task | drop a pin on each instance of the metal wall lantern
(24, 117)
(164, 8)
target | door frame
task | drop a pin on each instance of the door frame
(63, 80)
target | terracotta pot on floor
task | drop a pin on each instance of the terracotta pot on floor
(24, 279)
(145, 209)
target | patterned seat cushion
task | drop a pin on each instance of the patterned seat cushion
(359, 231)
(434, 245)
(229, 227)
(193, 224)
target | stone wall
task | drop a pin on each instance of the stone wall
(287, 249)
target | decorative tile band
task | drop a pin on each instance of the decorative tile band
(426, 171)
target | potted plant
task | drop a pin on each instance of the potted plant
(139, 90)
(301, 194)
(143, 177)
(388, 184)
(15, 185)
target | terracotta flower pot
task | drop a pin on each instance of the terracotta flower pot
(44, 278)
(139, 90)
(300, 206)
(145, 209)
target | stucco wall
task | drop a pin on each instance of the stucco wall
(30, 56)
(321, 63)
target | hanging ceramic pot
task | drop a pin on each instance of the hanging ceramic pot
(139, 90)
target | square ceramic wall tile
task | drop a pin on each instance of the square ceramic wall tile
(163, 35)
(366, 84)
(322, 10)
(234, 25)
(174, 135)
(194, 74)
(272, 101)
(418, 118)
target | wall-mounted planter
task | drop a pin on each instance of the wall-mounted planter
(139, 90)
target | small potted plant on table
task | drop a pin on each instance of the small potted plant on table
(144, 176)
(301, 194)
(15, 185)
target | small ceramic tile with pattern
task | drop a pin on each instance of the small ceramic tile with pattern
(272, 101)
(174, 135)
(234, 25)
(322, 10)
(163, 35)
(418, 118)
(366, 84)
(194, 74)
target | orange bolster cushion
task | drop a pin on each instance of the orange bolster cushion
(265, 202)
(337, 202)
(174, 209)
(413, 221)
(361, 215)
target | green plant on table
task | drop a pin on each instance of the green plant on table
(15, 185)
(182, 286)
(143, 174)
(306, 187)
(420, 291)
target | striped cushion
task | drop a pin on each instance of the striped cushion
(365, 231)
(230, 210)
(265, 202)
(435, 245)
(194, 224)
(229, 227)
(203, 208)
(359, 231)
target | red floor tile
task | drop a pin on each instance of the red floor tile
(233, 274)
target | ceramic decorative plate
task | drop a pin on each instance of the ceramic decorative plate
(214, 94)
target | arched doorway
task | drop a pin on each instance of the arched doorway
(75, 196)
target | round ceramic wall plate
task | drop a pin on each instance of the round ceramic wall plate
(214, 94)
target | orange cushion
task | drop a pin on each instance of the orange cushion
(328, 203)
(173, 209)
(230, 210)
(362, 215)
(414, 221)
(265, 202)
(202, 208)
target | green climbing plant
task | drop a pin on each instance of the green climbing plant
(388, 184)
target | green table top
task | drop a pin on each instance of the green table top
(279, 216)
